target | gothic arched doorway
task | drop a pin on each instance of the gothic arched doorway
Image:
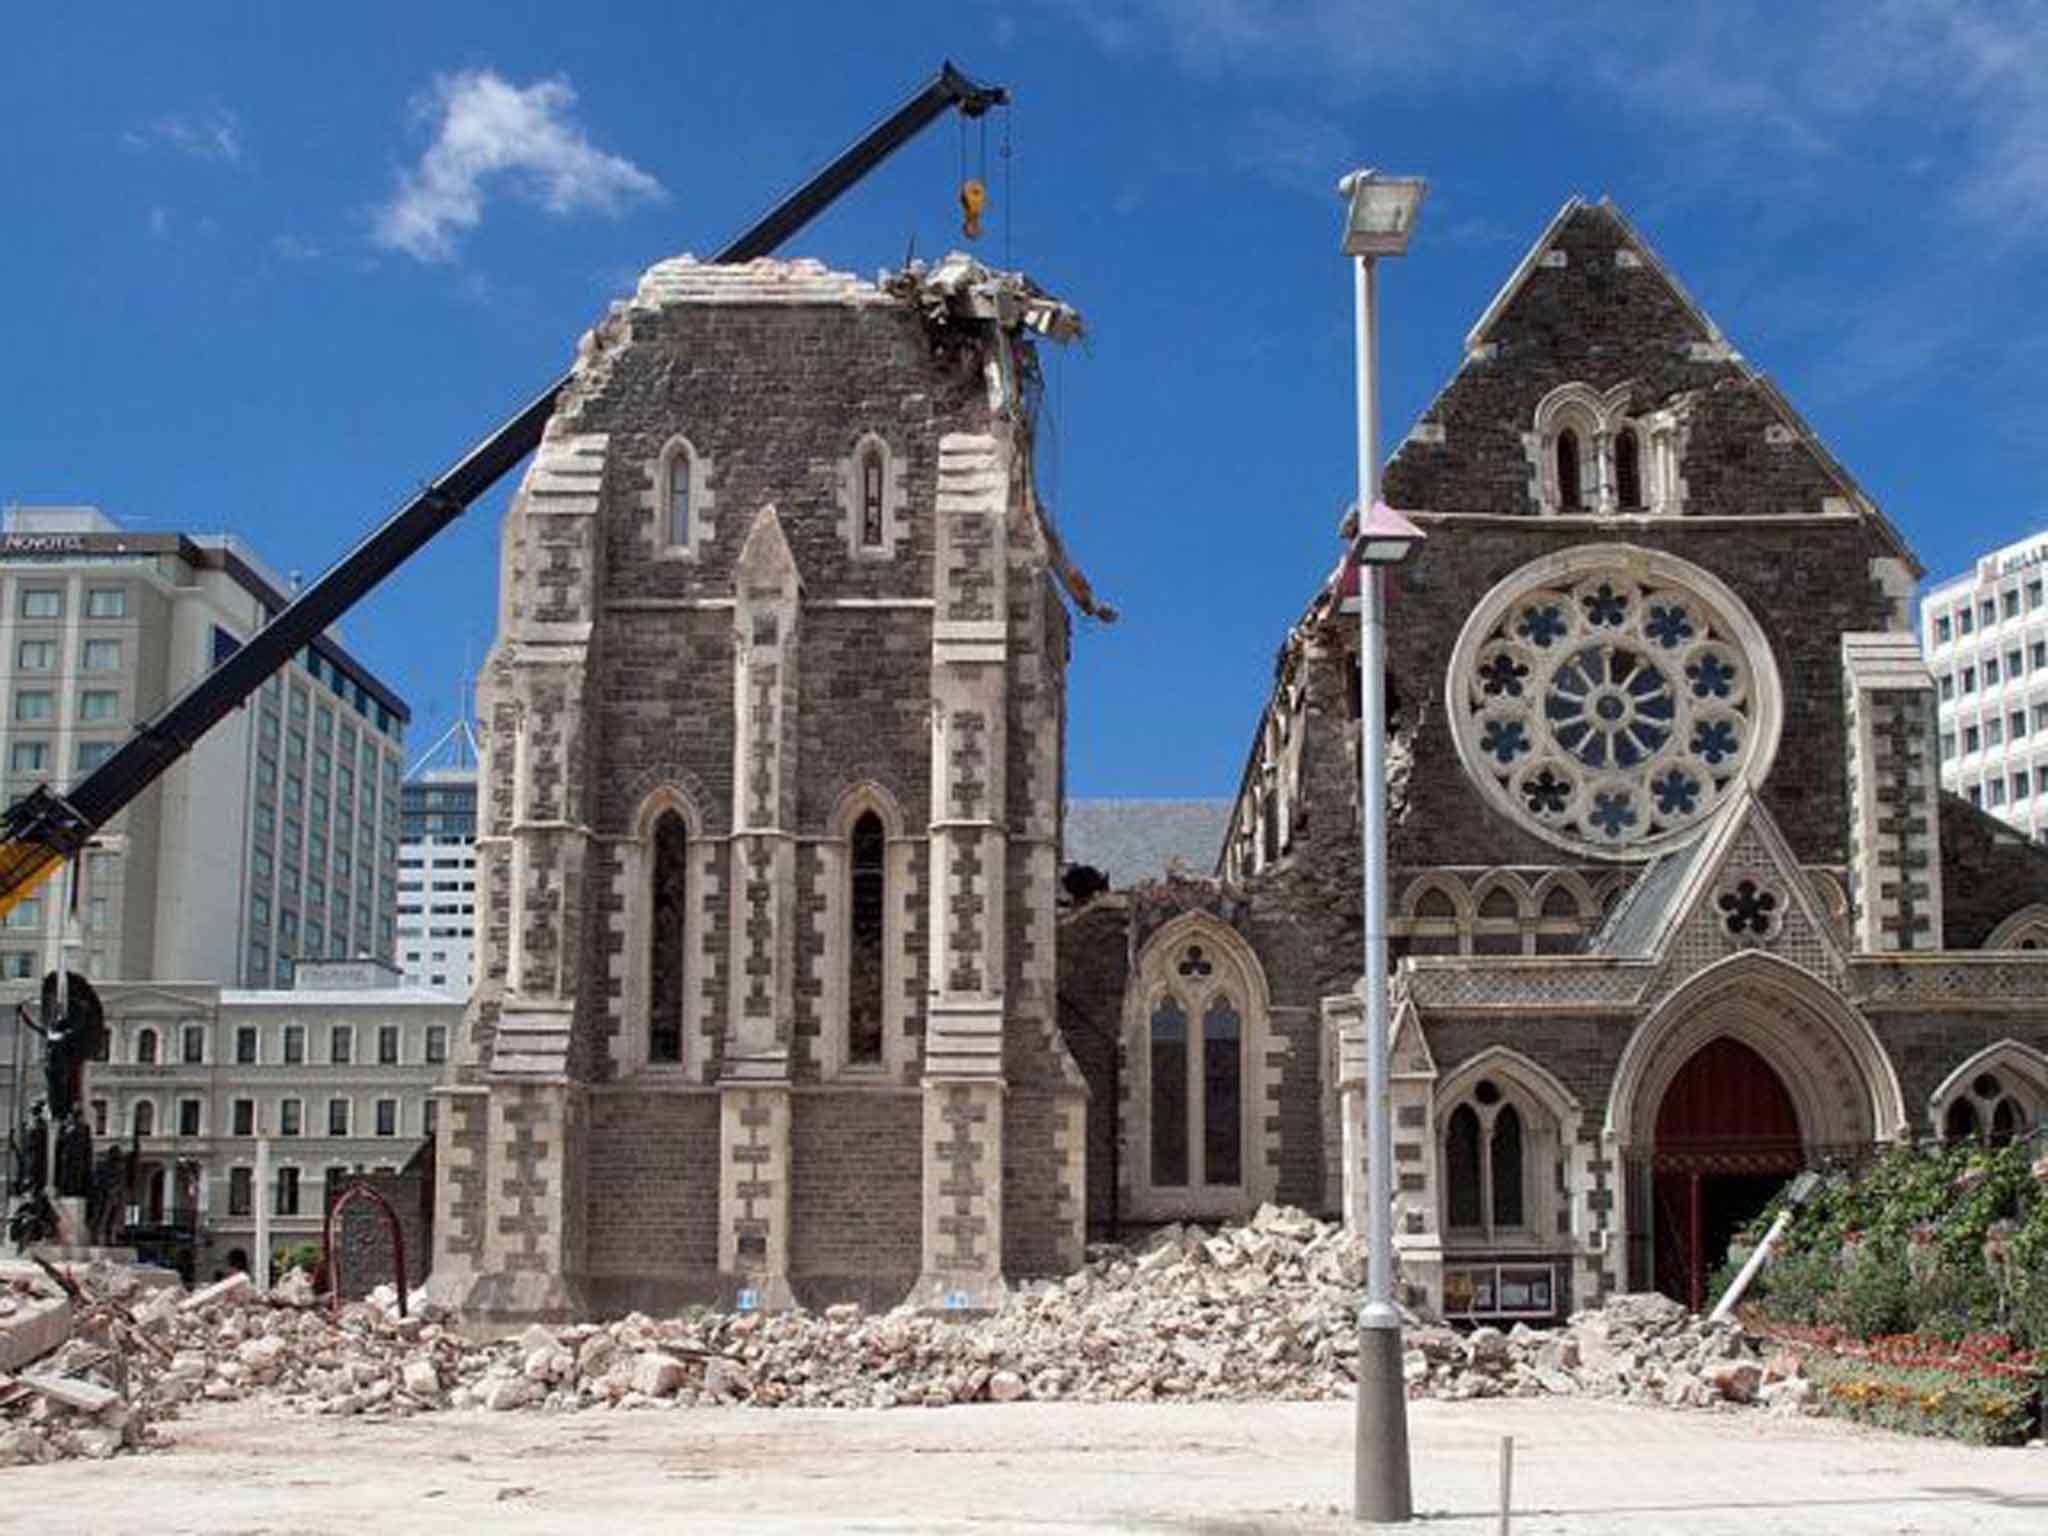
(1727, 1138)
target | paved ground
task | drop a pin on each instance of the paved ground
(1211, 1469)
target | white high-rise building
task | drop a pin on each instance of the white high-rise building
(437, 867)
(274, 839)
(1985, 636)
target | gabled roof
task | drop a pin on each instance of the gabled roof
(1675, 908)
(1712, 334)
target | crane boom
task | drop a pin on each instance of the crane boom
(43, 829)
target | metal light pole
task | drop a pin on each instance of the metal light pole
(1381, 214)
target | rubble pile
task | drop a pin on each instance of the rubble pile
(1263, 1311)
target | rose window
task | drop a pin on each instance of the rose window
(1613, 698)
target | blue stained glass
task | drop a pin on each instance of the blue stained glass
(1505, 739)
(1714, 740)
(1712, 678)
(1668, 625)
(1677, 792)
(1540, 626)
(1612, 813)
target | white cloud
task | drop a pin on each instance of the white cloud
(214, 135)
(1765, 95)
(490, 133)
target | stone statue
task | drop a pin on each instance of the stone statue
(73, 1028)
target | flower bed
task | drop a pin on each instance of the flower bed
(1982, 1388)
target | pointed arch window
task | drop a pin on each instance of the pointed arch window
(1569, 495)
(1486, 1162)
(1222, 1093)
(677, 494)
(666, 968)
(872, 484)
(868, 878)
(1169, 1095)
(1628, 470)
(1985, 1110)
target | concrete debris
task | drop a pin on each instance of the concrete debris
(1263, 1311)
(961, 286)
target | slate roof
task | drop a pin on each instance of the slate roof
(1134, 840)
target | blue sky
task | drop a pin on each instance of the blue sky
(265, 269)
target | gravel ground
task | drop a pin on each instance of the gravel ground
(1211, 1468)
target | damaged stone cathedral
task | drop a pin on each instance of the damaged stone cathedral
(783, 1000)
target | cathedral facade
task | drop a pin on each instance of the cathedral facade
(1678, 907)
(782, 998)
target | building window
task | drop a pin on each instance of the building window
(2034, 593)
(29, 756)
(1969, 679)
(90, 754)
(36, 655)
(1964, 622)
(287, 1191)
(1943, 630)
(106, 602)
(2016, 723)
(188, 1117)
(1972, 739)
(871, 483)
(1997, 791)
(1948, 745)
(27, 913)
(1194, 1038)
(337, 1117)
(244, 1121)
(1570, 494)
(387, 1045)
(99, 704)
(387, 1117)
(1628, 477)
(1987, 613)
(290, 1116)
(1990, 671)
(101, 656)
(2019, 785)
(666, 939)
(42, 603)
(1976, 793)
(430, 1117)
(867, 905)
(678, 489)
(241, 1182)
(1994, 733)
(2010, 602)
(437, 1043)
(1486, 1191)
(341, 1045)
(144, 1121)
(32, 704)
(193, 1044)
(1984, 1111)
(145, 1048)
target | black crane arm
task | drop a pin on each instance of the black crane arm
(42, 829)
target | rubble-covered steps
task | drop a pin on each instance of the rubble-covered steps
(1263, 1311)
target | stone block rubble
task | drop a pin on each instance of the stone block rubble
(1251, 1313)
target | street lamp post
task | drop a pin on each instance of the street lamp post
(1381, 214)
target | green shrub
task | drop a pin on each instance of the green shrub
(1873, 1292)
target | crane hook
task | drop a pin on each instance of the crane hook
(973, 198)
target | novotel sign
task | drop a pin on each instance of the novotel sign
(42, 544)
(2034, 556)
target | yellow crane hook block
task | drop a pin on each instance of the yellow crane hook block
(973, 198)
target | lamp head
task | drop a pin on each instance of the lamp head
(1381, 213)
(1383, 536)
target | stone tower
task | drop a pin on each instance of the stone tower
(768, 843)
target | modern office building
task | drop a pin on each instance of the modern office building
(336, 1072)
(1985, 636)
(275, 839)
(437, 878)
